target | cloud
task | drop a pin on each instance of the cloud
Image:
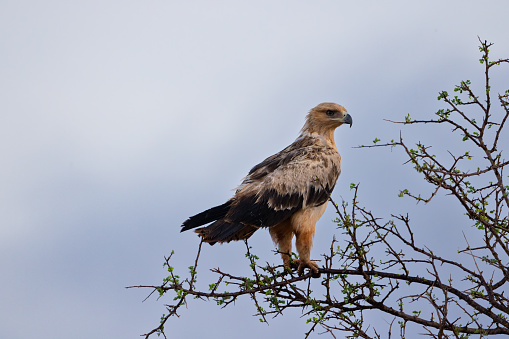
(122, 119)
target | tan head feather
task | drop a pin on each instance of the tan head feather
(325, 118)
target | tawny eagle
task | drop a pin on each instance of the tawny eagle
(286, 193)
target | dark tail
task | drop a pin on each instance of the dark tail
(220, 230)
(223, 231)
(207, 216)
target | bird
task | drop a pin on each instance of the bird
(286, 193)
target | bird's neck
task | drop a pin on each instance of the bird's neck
(325, 135)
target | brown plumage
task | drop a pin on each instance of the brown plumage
(286, 193)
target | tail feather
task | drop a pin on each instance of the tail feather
(223, 231)
(207, 216)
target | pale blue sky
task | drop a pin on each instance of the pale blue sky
(119, 119)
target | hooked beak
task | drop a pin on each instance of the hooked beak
(348, 120)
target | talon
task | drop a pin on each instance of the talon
(313, 267)
(295, 264)
(300, 265)
(291, 265)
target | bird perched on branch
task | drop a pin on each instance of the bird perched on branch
(286, 193)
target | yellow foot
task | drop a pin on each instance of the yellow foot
(300, 265)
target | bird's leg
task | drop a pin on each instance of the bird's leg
(282, 235)
(304, 240)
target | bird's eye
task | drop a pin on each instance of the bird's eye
(329, 113)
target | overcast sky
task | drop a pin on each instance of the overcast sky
(120, 119)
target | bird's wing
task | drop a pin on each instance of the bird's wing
(295, 178)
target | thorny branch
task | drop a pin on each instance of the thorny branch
(380, 265)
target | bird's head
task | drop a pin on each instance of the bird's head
(326, 117)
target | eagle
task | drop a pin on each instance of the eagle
(286, 193)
